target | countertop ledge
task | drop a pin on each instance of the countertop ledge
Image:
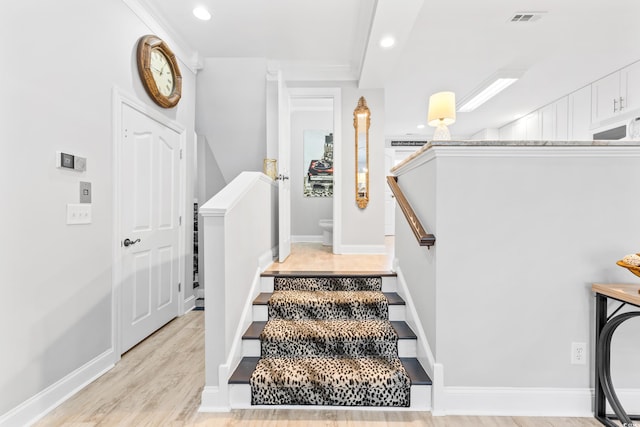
(494, 143)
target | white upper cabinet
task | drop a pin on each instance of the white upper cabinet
(580, 115)
(532, 126)
(562, 119)
(605, 97)
(630, 82)
(615, 94)
(573, 117)
(554, 121)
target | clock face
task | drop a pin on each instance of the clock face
(159, 71)
(162, 72)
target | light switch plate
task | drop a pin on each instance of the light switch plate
(78, 213)
(85, 192)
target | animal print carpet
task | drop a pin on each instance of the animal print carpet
(328, 341)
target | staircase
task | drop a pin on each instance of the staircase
(326, 340)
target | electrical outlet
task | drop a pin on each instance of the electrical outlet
(578, 353)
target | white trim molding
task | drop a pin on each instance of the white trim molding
(45, 401)
(531, 401)
(188, 56)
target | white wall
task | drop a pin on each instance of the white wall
(231, 112)
(307, 211)
(209, 182)
(363, 229)
(55, 314)
(521, 234)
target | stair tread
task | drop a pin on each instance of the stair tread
(242, 374)
(392, 297)
(402, 329)
(415, 371)
(254, 330)
(277, 273)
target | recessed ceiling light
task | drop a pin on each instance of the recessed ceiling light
(201, 13)
(420, 126)
(387, 42)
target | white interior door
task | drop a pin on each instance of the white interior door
(284, 160)
(149, 215)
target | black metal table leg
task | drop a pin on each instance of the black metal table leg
(604, 391)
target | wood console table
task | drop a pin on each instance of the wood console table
(605, 327)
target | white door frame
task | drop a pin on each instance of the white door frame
(336, 95)
(119, 99)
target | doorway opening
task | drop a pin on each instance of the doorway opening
(315, 166)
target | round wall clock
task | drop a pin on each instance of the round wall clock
(159, 71)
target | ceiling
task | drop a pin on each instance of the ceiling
(447, 45)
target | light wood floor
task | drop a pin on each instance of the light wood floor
(315, 257)
(158, 383)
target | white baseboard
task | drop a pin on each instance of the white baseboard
(214, 400)
(425, 355)
(549, 402)
(189, 304)
(48, 399)
(306, 239)
(265, 260)
(363, 249)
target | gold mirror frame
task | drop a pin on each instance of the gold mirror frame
(361, 122)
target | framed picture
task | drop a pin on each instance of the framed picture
(318, 163)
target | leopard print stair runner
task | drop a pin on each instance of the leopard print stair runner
(359, 305)
(328, 338)
(328, 284)
(330, 381)
(328, 341)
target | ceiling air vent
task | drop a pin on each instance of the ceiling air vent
(526, 16)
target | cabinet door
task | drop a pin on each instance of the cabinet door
(548, 122)
(580, 115)
(630, 82)
(605, 97)
(562, 119)
(519, 132)
(532, 126)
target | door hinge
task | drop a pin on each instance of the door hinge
(180, 220)
(179, 287)
(181, 154)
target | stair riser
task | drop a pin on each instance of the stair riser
(240, 398)
(406, 348)
(261, 314)
(389, 284)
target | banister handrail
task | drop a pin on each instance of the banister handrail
(424, 238)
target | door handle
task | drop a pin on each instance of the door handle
(128, 242)
(282, 177)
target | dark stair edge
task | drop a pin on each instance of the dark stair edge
(242, 374)
(277, 273)
(392, 297)
(402, 329)
(417, 374)
(254, 330)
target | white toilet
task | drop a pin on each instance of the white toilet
(327, 231)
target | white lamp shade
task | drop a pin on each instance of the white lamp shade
(442, 108)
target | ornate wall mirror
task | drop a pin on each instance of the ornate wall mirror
(361, 121)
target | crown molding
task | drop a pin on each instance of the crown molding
(158, 26)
